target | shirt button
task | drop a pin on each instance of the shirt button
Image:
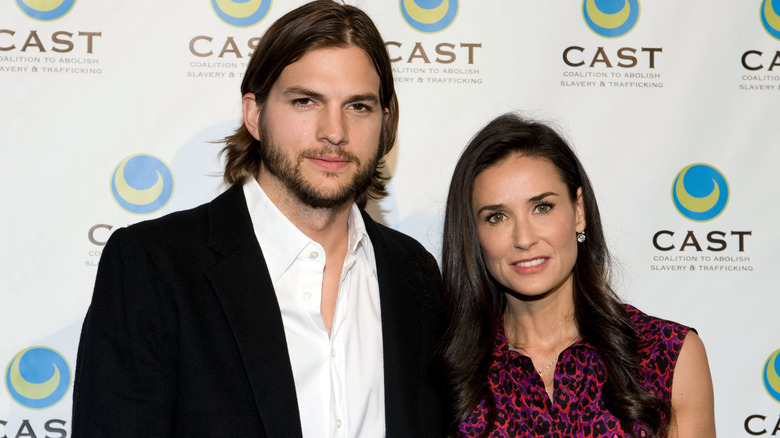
(338, 423)
(332, 352)
(307, 296)
(314, 254)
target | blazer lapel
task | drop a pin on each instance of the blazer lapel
(399, 338)
(244, 289)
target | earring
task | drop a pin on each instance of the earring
(581, 236)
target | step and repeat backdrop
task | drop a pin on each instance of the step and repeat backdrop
(110, 113)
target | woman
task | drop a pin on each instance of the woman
(538, 343)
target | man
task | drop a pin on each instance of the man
(280, 309)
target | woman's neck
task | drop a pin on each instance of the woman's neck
(541, 326)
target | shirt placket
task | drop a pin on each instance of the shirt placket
(338, 363)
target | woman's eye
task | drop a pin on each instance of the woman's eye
(495, 218)
(543, 208)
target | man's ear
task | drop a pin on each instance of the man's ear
(251, 111)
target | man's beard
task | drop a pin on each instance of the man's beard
(289, 173)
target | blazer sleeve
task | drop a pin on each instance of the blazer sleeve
(125, 380)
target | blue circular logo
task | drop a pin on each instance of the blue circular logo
(700, 192)
(142, 184)
(37, 378)
(770, 18)
(429, 16)
(611, 18)
(45, 10)
(772, 376)
(241, 13)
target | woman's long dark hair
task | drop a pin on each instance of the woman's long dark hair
(474, 304)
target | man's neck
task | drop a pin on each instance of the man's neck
(326, 226)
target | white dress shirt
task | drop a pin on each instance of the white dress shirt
(339, 380)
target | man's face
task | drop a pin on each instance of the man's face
(320, 128)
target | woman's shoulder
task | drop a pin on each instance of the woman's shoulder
(659, 344)
(653, 329)
(659, 341)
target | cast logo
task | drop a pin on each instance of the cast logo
(766, 60)
(772, 376)
(770, 18)
(758, 424)
(142, 184)
(37, 377)
(614, 19)
(50, 40)
(241, 13)
(429, 16)
(611, 18)
(45, 10)
(700, 192)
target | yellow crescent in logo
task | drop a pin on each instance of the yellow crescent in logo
(699, 205)
(607, 21)
(135, 196)
(771, 17)
(427, 16)
(239, 10)
(43, 5)
(35, 391)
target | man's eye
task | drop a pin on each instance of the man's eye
(304, 101)
(361, 107)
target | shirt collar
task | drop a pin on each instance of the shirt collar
(503, 355)
(358, 237)
(282, 242)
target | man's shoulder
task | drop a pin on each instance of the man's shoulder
(173, 223)
(178, 226)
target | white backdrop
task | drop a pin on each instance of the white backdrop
(660, 86)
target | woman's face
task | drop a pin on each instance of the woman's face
(527, 224)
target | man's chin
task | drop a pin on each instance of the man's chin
(330, 190)
(329, 198)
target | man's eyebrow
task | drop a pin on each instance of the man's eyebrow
(364, 98)
(301, 91)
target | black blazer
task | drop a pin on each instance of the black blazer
(184, 335)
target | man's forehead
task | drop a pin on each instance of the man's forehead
(343, 67)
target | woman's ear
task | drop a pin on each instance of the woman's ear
(579, 211)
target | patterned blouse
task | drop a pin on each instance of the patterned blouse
(577, 410)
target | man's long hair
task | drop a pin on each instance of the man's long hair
(315, 25)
